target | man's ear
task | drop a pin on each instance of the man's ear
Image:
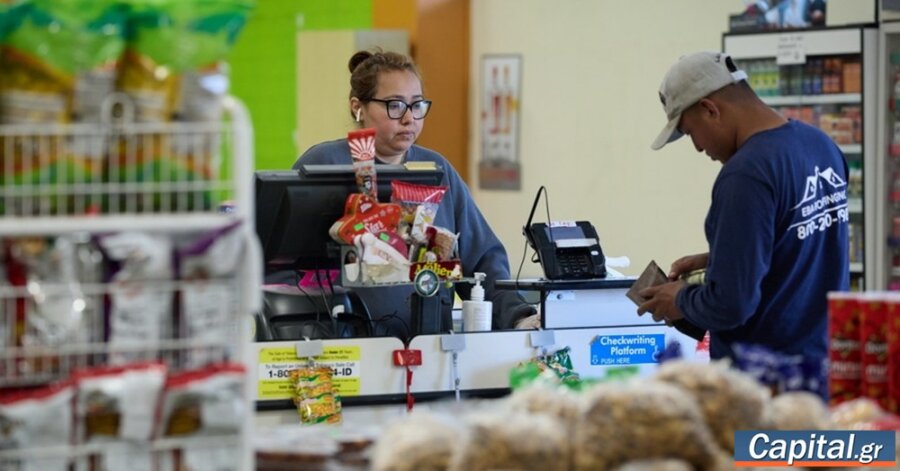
(709, 108)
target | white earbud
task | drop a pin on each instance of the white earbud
(358, 111)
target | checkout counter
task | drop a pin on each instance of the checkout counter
(592, 317)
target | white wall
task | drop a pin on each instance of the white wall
(589, 111)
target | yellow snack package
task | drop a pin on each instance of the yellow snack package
(314, 395)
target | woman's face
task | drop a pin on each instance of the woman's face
(393, 136)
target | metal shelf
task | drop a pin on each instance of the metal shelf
(856, 267)
(168, 223)
(825, 99)
(851, 149)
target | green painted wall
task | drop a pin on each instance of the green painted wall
(263, 67)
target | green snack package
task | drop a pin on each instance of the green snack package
(59, 58)
(173, 41)
(555, 368)
(314, 395)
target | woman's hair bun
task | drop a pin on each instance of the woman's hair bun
(358, 59)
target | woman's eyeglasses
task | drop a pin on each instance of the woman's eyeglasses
(397, 108)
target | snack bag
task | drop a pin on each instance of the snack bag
(164, 172)
(364, 214)
(362, 151)
(894, 352)
(314, 395)
(173, 69)
(36, 418)
(117, 406)
(207, 401)
(844, 352)
(140, 312)
(172, 41)
(874, 323)
(58, 63)
(117, 403)
(59, 58)
(209, 296)
(55, 309)
(419, 205)
(553, 368)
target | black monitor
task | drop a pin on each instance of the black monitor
(295, 209)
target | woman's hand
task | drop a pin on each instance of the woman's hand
(687, 264)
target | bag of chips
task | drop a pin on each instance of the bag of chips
(37, 418)
(314, 395)
(58, 61)
(176, 41)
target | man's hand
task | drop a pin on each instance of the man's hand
(687, 264)
(661, 302)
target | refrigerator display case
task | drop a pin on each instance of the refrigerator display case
(826, 78)
(888, 154)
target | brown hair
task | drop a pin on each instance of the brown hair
(365, 67)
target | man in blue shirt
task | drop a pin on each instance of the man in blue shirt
(777, 227)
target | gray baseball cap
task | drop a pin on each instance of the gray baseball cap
(689, 80)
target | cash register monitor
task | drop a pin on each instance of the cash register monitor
(295, 209)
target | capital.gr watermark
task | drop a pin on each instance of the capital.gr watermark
(815, 448)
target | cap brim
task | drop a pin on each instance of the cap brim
(668, 134)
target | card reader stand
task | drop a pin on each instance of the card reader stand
(598, 302)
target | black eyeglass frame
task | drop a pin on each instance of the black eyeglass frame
(406, 107)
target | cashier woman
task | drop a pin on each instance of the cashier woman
(386, 94)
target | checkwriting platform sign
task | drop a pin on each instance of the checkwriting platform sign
(627, 349)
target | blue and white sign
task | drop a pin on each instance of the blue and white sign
(814, 448)
(627, 349)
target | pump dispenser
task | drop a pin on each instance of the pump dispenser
(476, 312)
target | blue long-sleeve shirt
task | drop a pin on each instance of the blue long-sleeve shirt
(479, 248)
(777, 230)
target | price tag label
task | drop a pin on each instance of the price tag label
(275, 365)
(791, 49)
(562, 224)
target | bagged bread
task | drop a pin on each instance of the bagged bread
(729, 399)
(419, 442)
(621, 422)
(539, 398)
(799, 410)
(658, 464)
(512, 441)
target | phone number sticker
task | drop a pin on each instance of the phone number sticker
(275, 365)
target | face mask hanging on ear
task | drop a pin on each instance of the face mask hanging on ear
(358, 111)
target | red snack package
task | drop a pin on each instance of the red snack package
(873, 342)
(364, 214)
(118, 402)
(394, 240)
(419, 204)
(894, 352)
(37, 418)
(203, 401)
(362, 150)
(843, 347)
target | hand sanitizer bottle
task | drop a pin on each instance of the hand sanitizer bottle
(476, 312)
